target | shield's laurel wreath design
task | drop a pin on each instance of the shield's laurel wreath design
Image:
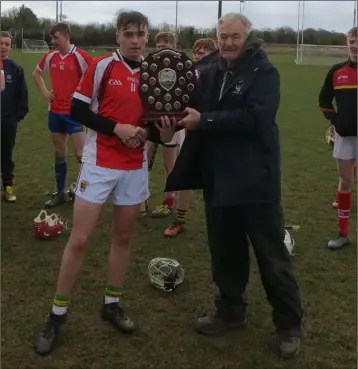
(167, 78)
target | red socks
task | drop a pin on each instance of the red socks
(169, 200)
(344, 207)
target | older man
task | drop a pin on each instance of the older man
(232, 152)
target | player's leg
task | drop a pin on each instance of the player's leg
(8, 136)
(181, 210)
(345, 151)
(130, 192)
(95, 185)
(169, 153)
(57, 127)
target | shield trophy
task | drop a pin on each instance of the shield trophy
(167, 84)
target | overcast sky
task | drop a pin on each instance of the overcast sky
(331, 15)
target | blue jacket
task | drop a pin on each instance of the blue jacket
(234, 152)
(14, 98)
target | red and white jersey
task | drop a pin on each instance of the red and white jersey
(110, 86)
(65, 72)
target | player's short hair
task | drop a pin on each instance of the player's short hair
(167, 37)
(208, 44)
(63, 28)
(5, 34)
(352, 32)
(126, 19)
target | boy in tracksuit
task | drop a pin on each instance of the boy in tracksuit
(14, 107)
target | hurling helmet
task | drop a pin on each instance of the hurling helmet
(330, 135)
(165, 273)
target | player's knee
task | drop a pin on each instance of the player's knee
(122, 239)
(346, 184)
(78, 242)
(60, 154)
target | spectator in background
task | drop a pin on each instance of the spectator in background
(14, 107)
(202, 50)
(169, 150)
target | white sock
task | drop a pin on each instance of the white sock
(57, 310)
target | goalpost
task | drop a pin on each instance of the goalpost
(34, 46)
(316, 54)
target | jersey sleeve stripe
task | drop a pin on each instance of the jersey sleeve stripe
(81, 97)
(81, 61)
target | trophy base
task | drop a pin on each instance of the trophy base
(154, 116)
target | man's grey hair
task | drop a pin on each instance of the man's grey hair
(236, 17)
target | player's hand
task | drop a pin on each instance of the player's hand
(190, 121)
(131, 136)
(166, 128)
(49, 95)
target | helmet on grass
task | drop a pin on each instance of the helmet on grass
(165, 273)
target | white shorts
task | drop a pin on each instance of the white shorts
(177, 140)
(126, 187)
(345, 148)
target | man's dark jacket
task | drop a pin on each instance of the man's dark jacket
(234, 152)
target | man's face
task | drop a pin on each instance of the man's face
(164, 45)
(352, 47)
(132, 41)
(200, 53)
(5, 47)
(231, 39)
(60, 40)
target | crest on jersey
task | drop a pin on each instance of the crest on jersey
(83, 186)
(167, 78)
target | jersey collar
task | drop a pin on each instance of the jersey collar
(117, 56)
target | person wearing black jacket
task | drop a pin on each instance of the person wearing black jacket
(340, 86)
(232, 152)
(14, 107)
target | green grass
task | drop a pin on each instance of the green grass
(166, 338)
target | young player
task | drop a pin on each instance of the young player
(169, 150)
(107, 101)
(340, 86)
(65, 65)
(14, 107)
(201, 49)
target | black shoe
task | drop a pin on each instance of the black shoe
(47, 339)
(115, 315)
(57, 200)
(289, 344)
(215, 324)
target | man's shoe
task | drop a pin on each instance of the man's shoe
(8, 194)
(338, 243)
(115, 315)
(47, 339)
(289, 345)
(162, 211)
(57, 200)
(213, 324)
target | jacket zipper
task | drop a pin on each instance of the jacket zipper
(223, 84)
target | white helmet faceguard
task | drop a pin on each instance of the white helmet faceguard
(165, 274)
(289, 242)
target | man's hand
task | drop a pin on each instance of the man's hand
(166, 129)
(131, 136)
(191, 121)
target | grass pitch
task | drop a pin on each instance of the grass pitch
(166, 338)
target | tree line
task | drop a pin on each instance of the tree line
(22, 21)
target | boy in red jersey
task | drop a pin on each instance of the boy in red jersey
(114, 164)
(65, 65)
